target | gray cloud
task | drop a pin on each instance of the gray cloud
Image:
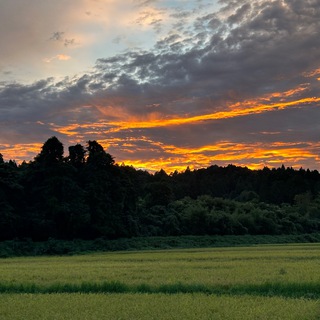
(57, 36)
(60, 37)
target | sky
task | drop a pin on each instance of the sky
(163, 84)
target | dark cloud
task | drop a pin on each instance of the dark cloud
(57, 36)
(69, 42)
(60, 37)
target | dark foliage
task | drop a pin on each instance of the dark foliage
(85, 195)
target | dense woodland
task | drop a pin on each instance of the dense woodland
(85, 195)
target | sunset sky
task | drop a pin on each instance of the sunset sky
(163, 84)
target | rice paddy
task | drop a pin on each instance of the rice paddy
(257, 282)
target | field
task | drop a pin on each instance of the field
(257, 282)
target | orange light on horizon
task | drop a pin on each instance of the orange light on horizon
(253, 156)
(20, 152)
(173, 158)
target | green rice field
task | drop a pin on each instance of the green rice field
(256, 282)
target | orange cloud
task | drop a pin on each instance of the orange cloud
(236, 110)
(156, 120)
(312, 73)
(20, 152)
(61, 57)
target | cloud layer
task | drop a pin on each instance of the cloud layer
(236, 85)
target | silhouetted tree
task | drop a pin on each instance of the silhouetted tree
(77, 155)
(12, 200)
(97, 156)
(51, 152)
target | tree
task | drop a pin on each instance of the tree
(97, 156)
(158, 193)
(77, 155)
(11, 199)
(105, 193)
(51, 152)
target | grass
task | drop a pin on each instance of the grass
(210, 267)
(256, 282)
(158, 307)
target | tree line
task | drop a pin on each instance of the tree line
(86, 195)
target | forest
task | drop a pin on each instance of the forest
(86, 195)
